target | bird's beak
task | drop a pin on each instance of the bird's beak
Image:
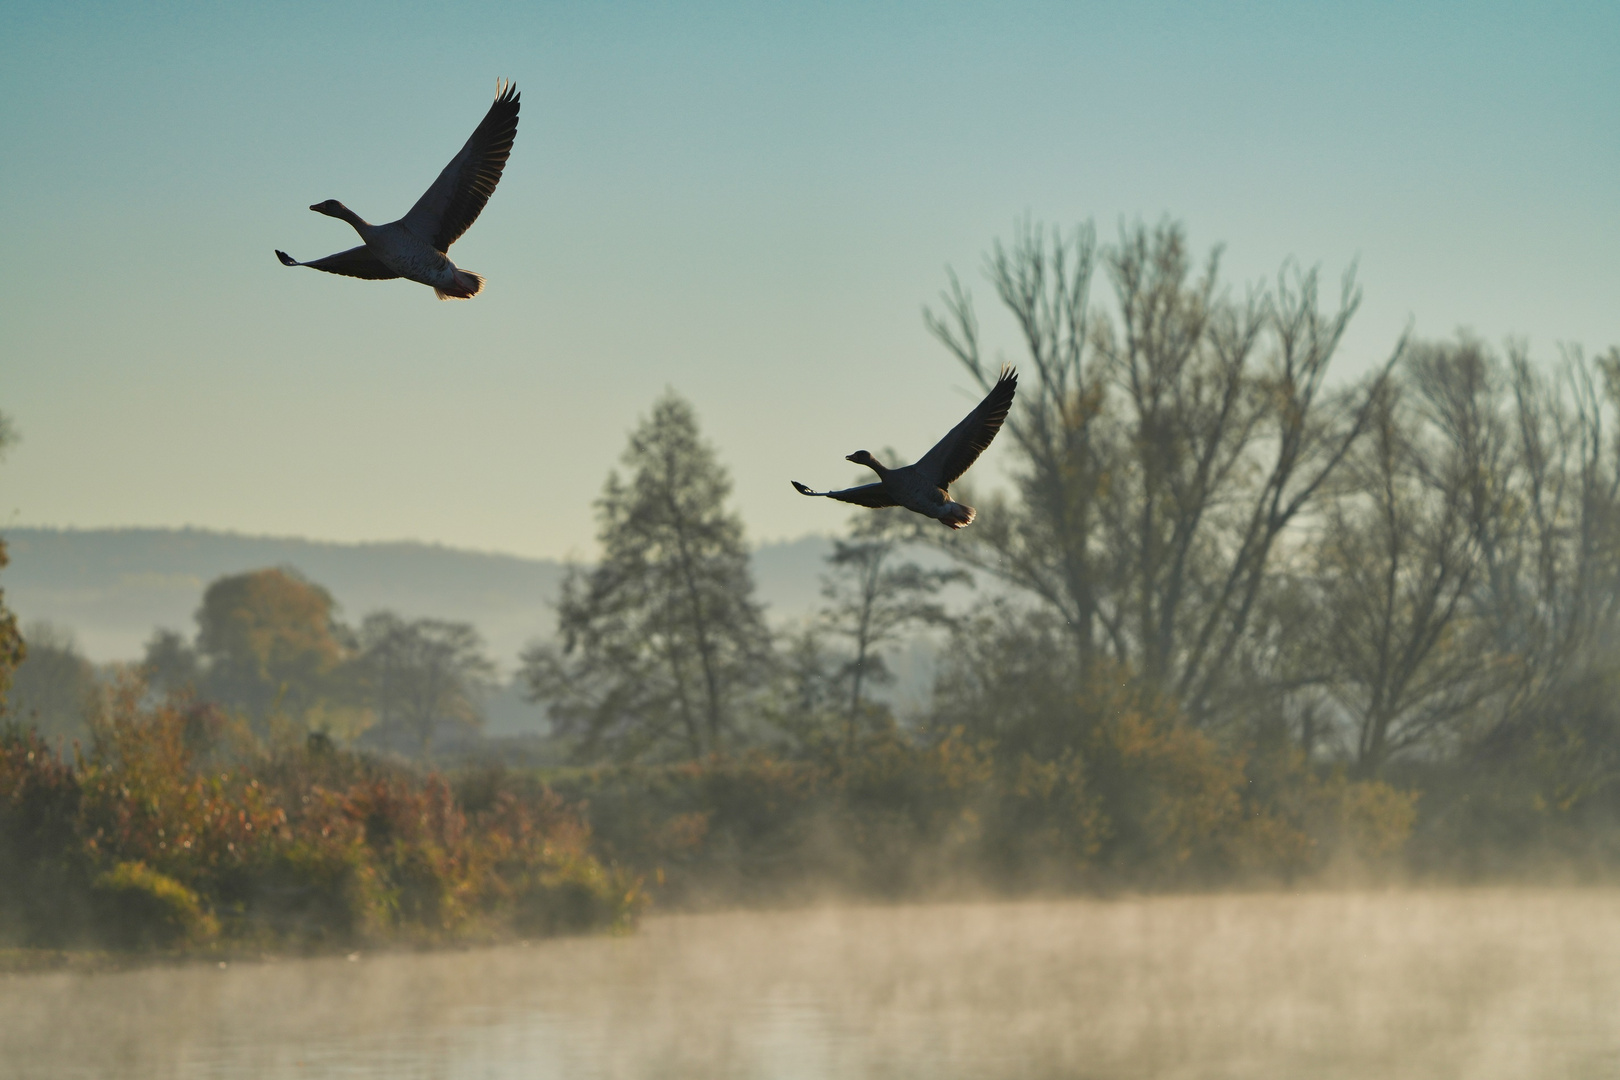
(849, 457)
(316, 207)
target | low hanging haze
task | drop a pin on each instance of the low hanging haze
(747, 203)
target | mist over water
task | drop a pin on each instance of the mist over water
(1491, 983)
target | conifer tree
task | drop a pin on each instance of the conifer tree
(662, 640)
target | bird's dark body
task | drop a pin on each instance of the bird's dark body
(415, 246)
(924, 487)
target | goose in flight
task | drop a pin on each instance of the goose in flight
(925, 486)
(414, 246)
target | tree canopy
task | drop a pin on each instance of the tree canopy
(55, 689)
(269, 642)
(419, 674)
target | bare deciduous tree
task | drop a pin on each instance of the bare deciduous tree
(1395, 563)
(1549, 526)
(872, 598)
(1469, 564)
(1165, 448)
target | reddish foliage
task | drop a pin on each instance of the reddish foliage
(308, 846)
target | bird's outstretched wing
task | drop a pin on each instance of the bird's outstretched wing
(356, 262)
(452, 204)
(952, 455)
(872, 495)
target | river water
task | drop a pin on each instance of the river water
(1421, 984)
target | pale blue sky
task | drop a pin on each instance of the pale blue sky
(749, 203)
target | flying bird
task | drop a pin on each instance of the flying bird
(924, 487)
(414, 246)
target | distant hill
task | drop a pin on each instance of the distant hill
(111, 587)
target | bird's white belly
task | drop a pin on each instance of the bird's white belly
(409, 256)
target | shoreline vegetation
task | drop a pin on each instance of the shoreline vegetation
(177, 832)
(181, 832)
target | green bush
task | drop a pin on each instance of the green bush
(573, 897)
(136, 907)
(309, 895)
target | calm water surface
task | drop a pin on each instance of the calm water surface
(1400, 984)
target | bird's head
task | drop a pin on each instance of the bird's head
(861, 457)
(331, 208)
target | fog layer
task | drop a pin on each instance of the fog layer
(1398, 984)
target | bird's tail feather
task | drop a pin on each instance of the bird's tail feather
(957, 515)
(467, 285)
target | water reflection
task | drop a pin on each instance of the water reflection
(1433, 984)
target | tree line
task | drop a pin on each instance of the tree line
(270, 648)
(1416, 564)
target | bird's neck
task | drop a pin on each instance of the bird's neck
(351, 217)
(877, 466)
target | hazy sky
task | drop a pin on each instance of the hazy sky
(748, 203)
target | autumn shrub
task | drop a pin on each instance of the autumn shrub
(45, 872)
(911, 811)
(1045, 825)
(144, 801)
(723, 826)
(158, 836)
(1171, 804)
(901, 816)
(1536, 798)
(1353, 826)
(535, 859)
(1136, 797)
(1535, 817)
(1173, 801)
